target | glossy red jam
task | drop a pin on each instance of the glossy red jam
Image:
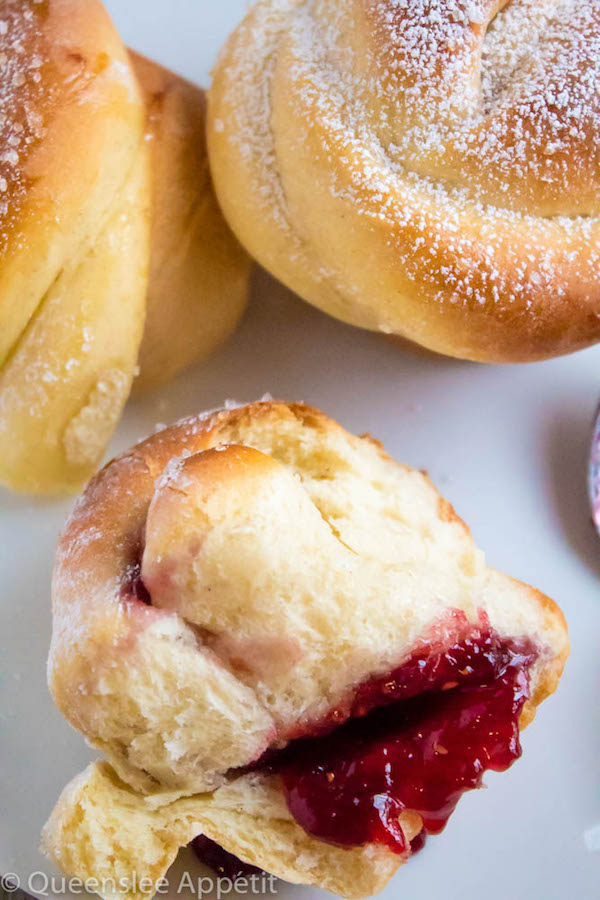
(222, 862)
(414, 740)
(417, 741)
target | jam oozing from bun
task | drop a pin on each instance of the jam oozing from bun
(416, 741)
(353, 788)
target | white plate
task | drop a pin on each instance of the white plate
(507, 445)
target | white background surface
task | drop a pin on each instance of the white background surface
(506, 445)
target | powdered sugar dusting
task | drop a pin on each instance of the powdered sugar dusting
(472, 141)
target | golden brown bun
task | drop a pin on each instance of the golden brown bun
(198, 271)
(74, 239)
(287, 561)
(426, 169)
(81, 147)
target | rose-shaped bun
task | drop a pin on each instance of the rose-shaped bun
(240, 587)
(426, 168)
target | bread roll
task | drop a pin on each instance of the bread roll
(236, 588)
(74, 220)
(198, 272)
(428, 169)
(98, 182)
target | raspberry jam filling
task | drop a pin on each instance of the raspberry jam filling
(414, 740)
(417, 740)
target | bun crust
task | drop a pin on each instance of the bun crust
(272, 543)
(425, 169)
(198, 272)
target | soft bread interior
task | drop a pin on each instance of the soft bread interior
(102, 829)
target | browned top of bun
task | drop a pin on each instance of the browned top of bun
(429, 169)
(71, 124)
